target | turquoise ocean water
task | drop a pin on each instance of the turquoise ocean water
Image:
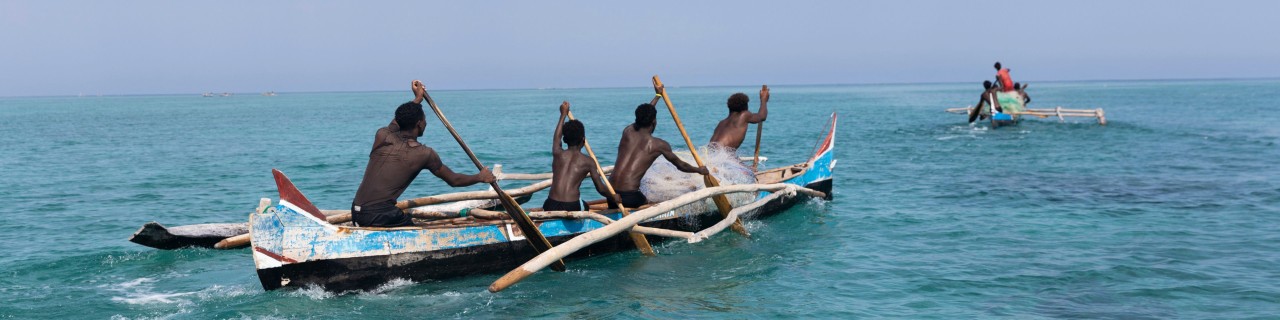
(1172, 210)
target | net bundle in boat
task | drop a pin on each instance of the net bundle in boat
(664, 182)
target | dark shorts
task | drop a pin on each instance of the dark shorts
(552, 205)
(630, 199)
(385, 215)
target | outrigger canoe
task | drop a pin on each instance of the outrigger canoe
(1013, 106)
(293, 245)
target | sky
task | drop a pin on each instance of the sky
(171, 47)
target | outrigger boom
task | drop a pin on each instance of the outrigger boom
(1059, 112)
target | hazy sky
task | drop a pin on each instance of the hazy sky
(143, 47)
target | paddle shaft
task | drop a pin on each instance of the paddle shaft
(755, 161)
(641, 242)
(530, 230)
(722, 202)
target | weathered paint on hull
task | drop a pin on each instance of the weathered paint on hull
(363, 273)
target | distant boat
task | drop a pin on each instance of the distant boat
(207, 94)
(269, 94)
(226, 94)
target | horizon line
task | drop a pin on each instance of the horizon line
(693, 86)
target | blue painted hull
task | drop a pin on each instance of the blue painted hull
(292, 248)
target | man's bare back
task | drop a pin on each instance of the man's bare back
(568, 165)
(637, 151)
(733, 129)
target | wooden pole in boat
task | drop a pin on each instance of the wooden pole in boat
(722, 202)
(755, 161)
(639, 239)
(530, 230)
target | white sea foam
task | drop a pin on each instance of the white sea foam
(664, 182)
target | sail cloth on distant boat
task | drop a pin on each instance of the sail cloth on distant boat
(664, 182)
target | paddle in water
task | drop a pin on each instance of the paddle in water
(530, 230)
(641, 242)
(722, 202)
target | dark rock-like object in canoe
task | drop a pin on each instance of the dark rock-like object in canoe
(205, 235)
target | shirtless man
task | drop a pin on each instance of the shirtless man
(396, 159)
(731, 131)
(636, 152)
(570, 166)
(988, 98)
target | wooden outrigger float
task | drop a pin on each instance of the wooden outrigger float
(293, 245)
(1014, 109)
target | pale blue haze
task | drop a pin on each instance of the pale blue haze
(158, 47)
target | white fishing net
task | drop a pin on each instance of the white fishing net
(664, 182)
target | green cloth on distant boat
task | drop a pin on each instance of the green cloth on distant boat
(1010, 101)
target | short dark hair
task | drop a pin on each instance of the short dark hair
(645, 115)
(738, 102)
(574, 134)
(408, 115)
(986, 84)
(997, 65)
(1017, 85)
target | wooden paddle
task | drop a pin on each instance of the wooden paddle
(641, 242)
(722, 202)
(530, 230)
(755, 161)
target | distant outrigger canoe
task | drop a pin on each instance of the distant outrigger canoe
(1014, 107)
(293, 245)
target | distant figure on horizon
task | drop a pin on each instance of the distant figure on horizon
(637, 151)
(396, 159)
(1003, 79)
(570, 166)
(733, 129)
(988, 99)
(1022, 90)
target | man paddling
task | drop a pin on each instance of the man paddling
(988, 98)
(733, 129)
(569, 166)
(637, 150)
(396, 159)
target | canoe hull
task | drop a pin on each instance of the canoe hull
(293, 246)
(365, 273)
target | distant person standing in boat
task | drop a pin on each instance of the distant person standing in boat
(988, 99)
(569, 166)
(1003, 79)
(733, 129)
(637, 150)
(396, 159)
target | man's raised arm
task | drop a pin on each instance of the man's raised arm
(759, 117)
(555, 139)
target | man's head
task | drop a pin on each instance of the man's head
(986, 84)
(409, 116)
(574, 134)
(738, 102)
(1017, 86)
(997, 65)
(645, 116)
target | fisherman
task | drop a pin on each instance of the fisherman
(396, 159)
(570, 166)
(1022, 90)
(733, 129)
(637, 150)
(988, 99)
(1004, 81)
